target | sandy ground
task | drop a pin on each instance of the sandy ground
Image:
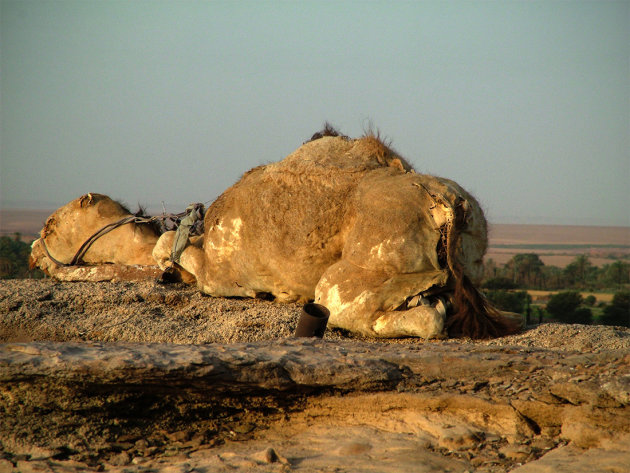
(149, 312)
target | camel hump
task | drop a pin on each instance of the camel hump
(370, 145)
(330, 153)
(374, 147)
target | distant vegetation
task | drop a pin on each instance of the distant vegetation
(14, 259)
(560, 246)
(527, 271)
(506, 286)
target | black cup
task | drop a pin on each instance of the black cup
(313, 321)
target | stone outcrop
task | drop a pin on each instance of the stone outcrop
(157, 406)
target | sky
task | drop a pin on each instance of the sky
(525, 104)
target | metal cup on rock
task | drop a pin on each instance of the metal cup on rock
(312, 321)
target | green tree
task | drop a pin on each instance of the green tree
(580, 272)
(618, 312)
(14, 255)
(615, 274)
(512, 301)
(499, 283)
(553, 278)
(582, 315)
(525, 269)
(563, 306)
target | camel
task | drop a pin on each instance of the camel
(124, 253)
(349, 224)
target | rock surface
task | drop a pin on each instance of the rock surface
(143, 377)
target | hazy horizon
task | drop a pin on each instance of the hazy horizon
(525, 104)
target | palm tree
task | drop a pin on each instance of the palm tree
(526, 269)
(579, 271)
(616, 274)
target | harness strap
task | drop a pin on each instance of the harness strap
(88, 243)
(106, 229)
(51, 257)
(78, 257)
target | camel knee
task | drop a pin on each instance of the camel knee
(162, 255)
(162, 250)
(424, 321)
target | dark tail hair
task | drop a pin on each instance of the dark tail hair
(474, 316)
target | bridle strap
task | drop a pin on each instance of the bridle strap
(77, 259)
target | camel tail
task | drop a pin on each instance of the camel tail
(474, 316)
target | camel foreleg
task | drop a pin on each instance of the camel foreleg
(190, 261)
(369, 302)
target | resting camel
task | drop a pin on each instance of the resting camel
(344, 222)
(125, 252)
(349, 224)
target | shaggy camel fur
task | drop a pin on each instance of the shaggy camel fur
(349, 224)
(127, 249)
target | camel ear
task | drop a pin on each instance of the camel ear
(86, 200)
(397, 163)
(467, 214)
